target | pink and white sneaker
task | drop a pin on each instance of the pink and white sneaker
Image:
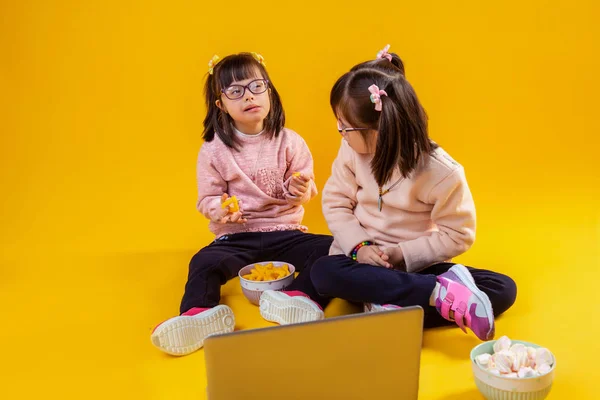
(471, 306)
(289, 307)
(185, 334)
(372, 307)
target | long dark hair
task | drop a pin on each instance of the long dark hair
(237, 67)
(402, 123)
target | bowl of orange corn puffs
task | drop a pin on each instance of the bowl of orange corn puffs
(267, 275)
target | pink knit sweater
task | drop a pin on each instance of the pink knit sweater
(258, 175)
(430, 215)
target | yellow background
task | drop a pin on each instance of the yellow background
(100, 122)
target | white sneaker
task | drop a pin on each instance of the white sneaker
(185, 334)
(372, 307)
(289, 307)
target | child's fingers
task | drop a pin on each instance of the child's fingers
(237, 217)
(381, 254)
(301, 178)
(294, 183)
(378, 261)
(293, 191)
(300, 182)
(382, 261)
(375, 258)
(222, 212)
(297, 189)
(243, 217)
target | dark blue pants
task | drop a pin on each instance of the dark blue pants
(221, 261)
(340, 276)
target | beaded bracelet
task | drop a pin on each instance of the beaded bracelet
(354, 253)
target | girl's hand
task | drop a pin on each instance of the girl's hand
(230, 216)
(395, 257)
(299, 185)
(374, 256)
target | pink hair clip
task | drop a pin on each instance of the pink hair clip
(383, 53)
(376, 96)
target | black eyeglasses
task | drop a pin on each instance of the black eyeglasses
(344, 131)
(235, 92)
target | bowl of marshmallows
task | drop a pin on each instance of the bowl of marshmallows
(512, 370)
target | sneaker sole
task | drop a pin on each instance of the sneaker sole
(467, 279)
(372, 308)
(283, 309)
(183, 335)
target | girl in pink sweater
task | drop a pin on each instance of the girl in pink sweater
(247, 153)
(400, 209)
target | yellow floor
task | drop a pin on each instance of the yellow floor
(86, 334)
(101, 111)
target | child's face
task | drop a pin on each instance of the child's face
(250, 110)
(355, 137)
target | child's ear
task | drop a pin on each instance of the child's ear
(220, 106)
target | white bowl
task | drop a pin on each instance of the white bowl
(253, 289)
(496, 387)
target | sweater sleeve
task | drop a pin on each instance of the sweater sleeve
(301, 160)
(339, 201)
(454, 215)
(210, 185)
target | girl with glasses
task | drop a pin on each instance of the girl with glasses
(249, 154)
(400, 210)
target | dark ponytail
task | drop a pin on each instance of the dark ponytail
(213, 113)
(403, 137)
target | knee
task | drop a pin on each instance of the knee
(507, 296)
(320, 274)
(323, 274)
(200, 264)
(321, 249)
(197, 262)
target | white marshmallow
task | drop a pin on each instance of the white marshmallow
(503, 361)
(543, 356)
(518, 347)
(543, 369)
(502, 344)
(526, 372)
(520, 359)
(483, 360)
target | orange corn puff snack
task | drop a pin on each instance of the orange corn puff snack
(267, 272)
(232, 203)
